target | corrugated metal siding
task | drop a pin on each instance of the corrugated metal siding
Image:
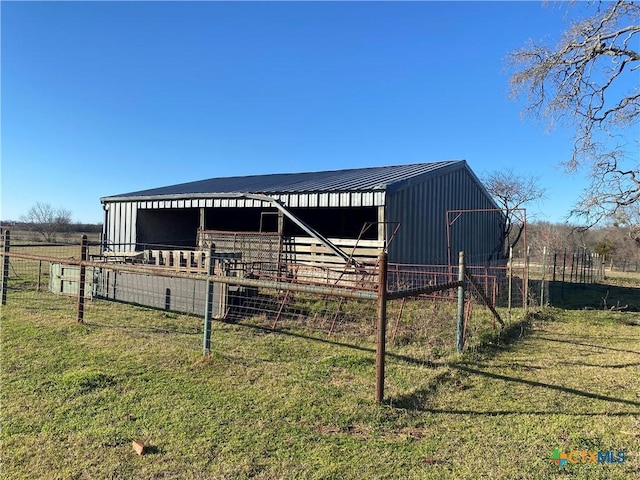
(417, 196)
(121, 220)
(311, 199)
(421, 209)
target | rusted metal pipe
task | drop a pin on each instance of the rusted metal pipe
(359, 293)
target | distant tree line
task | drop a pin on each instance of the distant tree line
(49, 224)
(618, 242)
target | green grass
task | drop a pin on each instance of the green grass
(598, 296)
(299, 404)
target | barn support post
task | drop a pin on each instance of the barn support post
(382, 326)
(83, 277)
(460, 329)
(5, 265)
(206, 339)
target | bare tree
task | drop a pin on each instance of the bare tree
(628, 220)
(48, 221)
(512, 192)
(588, 82)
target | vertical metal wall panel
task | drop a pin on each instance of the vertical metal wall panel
(133, 227)
(110, 232)
(106, 228)
(120, 226)
(116, 226)
(124, 226)
(421, 210)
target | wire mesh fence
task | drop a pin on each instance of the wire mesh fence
(330, 300)
(426, 314)
(422, 304)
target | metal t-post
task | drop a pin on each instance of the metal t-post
(5, 265)
(83, 276)
(206, 340)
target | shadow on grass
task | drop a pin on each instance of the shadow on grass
(534, 383)
(596, 296)
(419, 400)
(590, 345)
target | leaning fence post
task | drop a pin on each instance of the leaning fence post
(82, 279)
(382, 326)
(5, 265)
(460, 330)
(206, 340)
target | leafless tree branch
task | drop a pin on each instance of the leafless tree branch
(583, 81)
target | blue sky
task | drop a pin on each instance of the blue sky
(102, 98)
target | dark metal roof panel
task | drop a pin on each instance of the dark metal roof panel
(361, 179)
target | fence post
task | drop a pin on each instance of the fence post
(39, 273)
(460, 329)
(82, 280)
(206, 340)
(510, 289)
(544, 272)
(382, 326)
(5, 265)
(564, 271)
(525, 281)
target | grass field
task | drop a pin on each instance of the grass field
(297, 404)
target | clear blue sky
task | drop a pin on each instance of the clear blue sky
(105, 98)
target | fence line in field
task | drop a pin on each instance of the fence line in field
(354, 300)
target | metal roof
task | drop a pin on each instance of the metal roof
(355, 179)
